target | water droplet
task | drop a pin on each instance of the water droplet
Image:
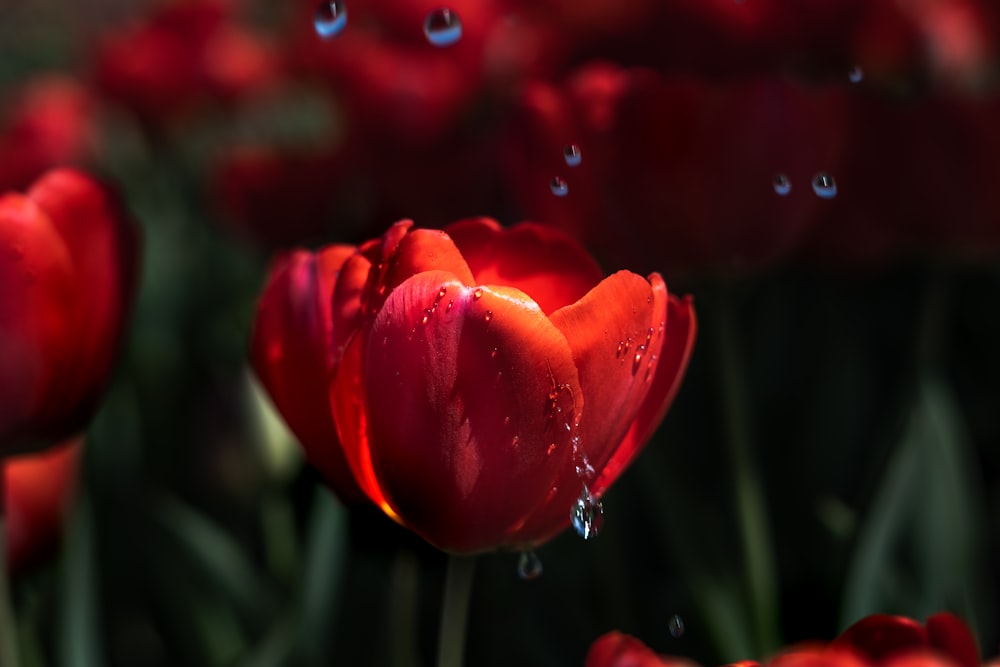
(330, 18)
(442, 27)
(427, 315)
(676, 626)
(782, 185)
(451, 303)
(515, 441)
(477, 293)
(572, 155)
(856, 74)
(529, 566)
(551, 448)
(506, 420)
(587, 515)
(441, 293)
(621, 348)
(493, 354)
(489, 315)
(824, 186)
(559, 187)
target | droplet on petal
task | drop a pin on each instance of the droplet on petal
(676, 626)
(824, 186)
(529, 566)
(782, 185)
(587, 515)
(442, 27)
(572, 155)
(330, 18)
(559, 187)
(477, 294)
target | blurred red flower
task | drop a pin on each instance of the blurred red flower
(37, 490)
(186, 54)
(879, 640)
(67, 274)
(676, 171)
(464, 364)
(48, 122)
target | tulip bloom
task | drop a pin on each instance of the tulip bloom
(67, 270)
(480, 380)
(37, 489)
(879, 640)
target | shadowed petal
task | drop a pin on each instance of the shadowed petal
(292, 355)
(679, 333)
(541, 261)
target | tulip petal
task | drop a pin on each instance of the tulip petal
(541, 261)
(880, 635)
(468, 390)
(615, 332)
(291, 354)
(950, 635)
(674, 355)
(103, 246)
(38, 298)
(615, 649)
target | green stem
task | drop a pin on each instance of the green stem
(755, 532)
(8, 630)
(455, 610)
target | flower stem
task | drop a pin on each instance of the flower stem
(455, 610)
(755, 532)
(8, 630)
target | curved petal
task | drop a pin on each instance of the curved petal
(37, 490)
(542, 261)
(950, 635)
(614, 333)
(615, 649)
(880, 635)
(348, 304)
(38, 295)
(681, 328)
(820, 657)
(471, 393)
(426, 250)
(291, 353)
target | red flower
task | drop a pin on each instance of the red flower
(186, 54)
(478, 378)
(67, 269)
(619, 650)
(875, 641)
(47, 123)
(37, 489)
(676, 171)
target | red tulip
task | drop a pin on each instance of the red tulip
(37, 489)
(676, 171)
(183, 55)
(67, 270)
(615, 649)
(881, 637)
(47, 123)
(472, 373)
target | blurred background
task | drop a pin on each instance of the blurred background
(823, 176)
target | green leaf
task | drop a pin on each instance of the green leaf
(918, 549)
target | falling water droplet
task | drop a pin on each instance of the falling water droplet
(587, 514)
(572, 155)
(824, 186)
(442, 27)
(856, 74)
(782, 185)
(559, 187)
(676, 626)
(529, 566)
(330, 18)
